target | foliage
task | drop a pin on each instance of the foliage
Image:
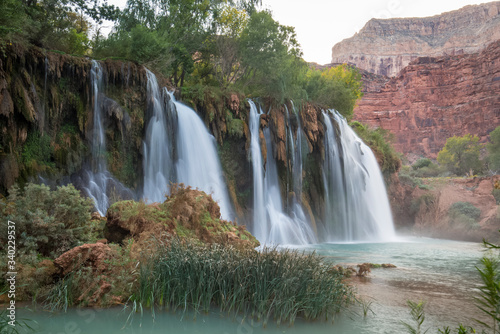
(81, 286)
(226, 44)
(269, 54)
(337, 87)
(37, 151)
(280, 284)
(47, 222)
(417, 314)
(464, 213)
(139, 44)
(227, 53)
(12, 19)
(53, 24)
(461, 155)
(494, 150)
(461, 329)
(422, 204)
(235, 126)
(379, 141)
(420, 163)
(488, 300)
(496, 193)
(22, 325)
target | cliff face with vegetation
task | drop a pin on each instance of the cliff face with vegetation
(46, 116)
(435, 98)
(385, 47)
(46, 121)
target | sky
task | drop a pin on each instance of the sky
(320, 24)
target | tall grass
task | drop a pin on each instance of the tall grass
(417, 314)
(268, 284)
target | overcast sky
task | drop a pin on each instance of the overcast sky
(322, 23)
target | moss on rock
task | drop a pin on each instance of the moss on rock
(186, 213)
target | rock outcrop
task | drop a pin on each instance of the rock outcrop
(431, 207)
(187, 213)
(435, 98)
(46, 115)
(385, 46)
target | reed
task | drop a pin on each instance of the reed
(271, 284)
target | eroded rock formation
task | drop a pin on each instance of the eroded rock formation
(435, 98)
(385, 46)
(46, 114)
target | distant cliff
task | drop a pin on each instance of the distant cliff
(435, 98)
(385, 47)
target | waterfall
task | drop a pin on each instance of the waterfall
(356, 203)
(271, 225)
(197, 160)
(98, 182)
(157, 161)
(97, 177)
(260, 228)
(297, 160)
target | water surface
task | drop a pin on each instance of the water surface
(439, 271)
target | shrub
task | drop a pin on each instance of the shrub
(37, 152)
(47, 222)
(379, 141)
(424, 162)
(408, 177)
(496, 194)
(465, 214)
(422, 203)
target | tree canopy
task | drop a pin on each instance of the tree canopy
(461, 155)
(198, 44)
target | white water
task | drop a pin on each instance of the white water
(271, 225)
(157, 161)
(198, 163)
(357, 207)
(97, 178)
(98, 182)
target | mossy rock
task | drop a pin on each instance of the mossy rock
(187, 214)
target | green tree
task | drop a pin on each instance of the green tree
(338, 88)
(270, 56)
(56, 24)
(12, 17)
(186, 26)
(494, 150)
(460, 155)
(47, 222)
(226, 61)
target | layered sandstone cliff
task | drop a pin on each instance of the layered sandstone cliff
(436, 98)
(385, 47)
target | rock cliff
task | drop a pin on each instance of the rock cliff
(386, 46)
(435, 98)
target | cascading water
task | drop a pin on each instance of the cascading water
(356, 203)
(260, 228)
(98, 181)
(297, 158)
(198, 163)
(157, 161)
(97, 178)
(270, 224)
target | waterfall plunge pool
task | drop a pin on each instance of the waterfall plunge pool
(441, 272)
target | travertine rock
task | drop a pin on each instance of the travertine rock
(386, 46)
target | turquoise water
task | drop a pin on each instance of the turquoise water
(441, 272)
